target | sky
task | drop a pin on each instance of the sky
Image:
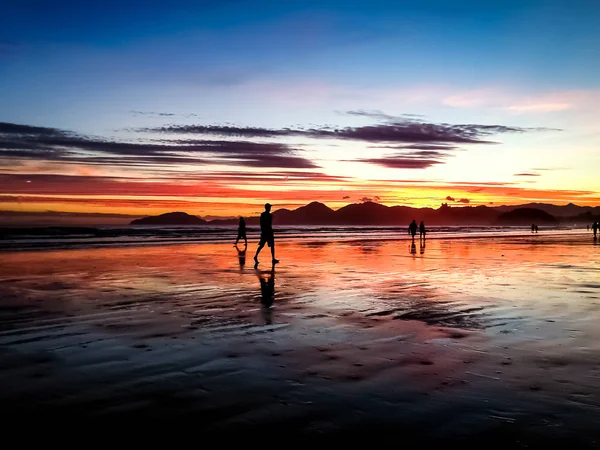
(216, 107)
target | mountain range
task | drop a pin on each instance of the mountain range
(370, 213)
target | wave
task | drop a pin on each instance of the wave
(81, 237)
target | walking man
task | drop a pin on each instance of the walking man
(412, 229)
(266, 234)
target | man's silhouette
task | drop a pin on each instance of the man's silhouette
(595, 227)
(412, 228)
(422, 230)
(241, 232)
(266, 234)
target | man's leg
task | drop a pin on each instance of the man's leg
(273, 252)
(260, 246)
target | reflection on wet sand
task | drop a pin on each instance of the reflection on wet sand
(267, 292)
(511, 320)
(241, 253)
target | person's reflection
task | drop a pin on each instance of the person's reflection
(422, 246)
(267, 292)
(241, 255)
(413, 248)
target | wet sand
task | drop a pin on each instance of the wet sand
(469, 341)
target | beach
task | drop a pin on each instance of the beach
(454, 340)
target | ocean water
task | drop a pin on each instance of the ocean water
(89, 237)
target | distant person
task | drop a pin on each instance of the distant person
(412, 228)
(536, 228)
(422, 230)
(532, 227)
(241, 232)
(595, 227)
(266, 234)
(241, 254)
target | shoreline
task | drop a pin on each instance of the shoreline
(85, 243)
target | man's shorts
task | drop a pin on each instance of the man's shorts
(268, 239)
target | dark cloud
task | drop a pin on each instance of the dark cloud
(464, 200)
(450, 199)
(50, 144)
(346, 197)
(527, 174)
(402, 131)
(402, 162)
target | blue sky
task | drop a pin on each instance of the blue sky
(105, 67)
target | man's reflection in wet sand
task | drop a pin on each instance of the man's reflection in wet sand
(422, 246)
(241, 255)
(267, 292)
(413, 248)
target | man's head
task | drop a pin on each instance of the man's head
(267, 207)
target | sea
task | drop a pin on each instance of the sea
(41, 238)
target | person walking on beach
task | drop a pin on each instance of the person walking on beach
(241, 232)
(422, 230)
(595, 227)
(266, 234)
(412, 229)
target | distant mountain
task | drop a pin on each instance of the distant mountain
(370, 213)
(526, 216)
(174, 218)
(569, 210)
(314, 213)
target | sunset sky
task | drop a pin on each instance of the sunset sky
(214, 107)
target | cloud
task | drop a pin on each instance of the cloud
(404, 131)
(527, 174)
(50, 144)
(464, 200)
(401, 162)
(450, 199)
(380, 115)
(152, 113)
(346, 197)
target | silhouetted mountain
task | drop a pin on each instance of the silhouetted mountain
(314, 213)
(526, 216)
(569, 210)
(174, 218)
(370, 213)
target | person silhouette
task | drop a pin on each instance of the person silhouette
(532, 227)
(266, 234)
(422, 230)
(595, 226)
(536, 228)
(241, 232)
(241, 255)
(412, 229)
